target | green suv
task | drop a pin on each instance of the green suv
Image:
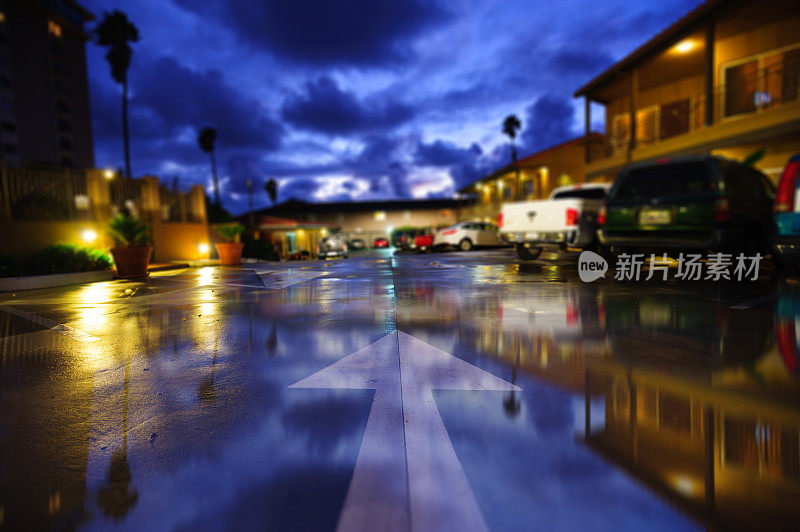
(689, 203)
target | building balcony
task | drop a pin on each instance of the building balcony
(751, 108)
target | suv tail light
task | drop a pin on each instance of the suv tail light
(787, 186)
(572, 216)
(601, 216)
(787, 344)
(500, 219)
(722, 210)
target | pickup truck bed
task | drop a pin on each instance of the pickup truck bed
(567, 219)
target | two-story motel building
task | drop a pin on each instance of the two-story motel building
(723, 79)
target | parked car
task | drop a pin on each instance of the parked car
(332, 246)
(567, 218)
(357, 244)
(787, 213)
(403, 239)
(380, 242)
(299, 255)
(424, 242)
(468, 235)
(689, 203)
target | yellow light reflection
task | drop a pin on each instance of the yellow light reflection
(205, 276)
(93, 310)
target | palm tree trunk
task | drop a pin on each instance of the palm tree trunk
(214, 177)
(125, 132)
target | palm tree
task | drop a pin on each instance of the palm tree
(510, 127)
(116, 33)
(206, 139)
(272, 190)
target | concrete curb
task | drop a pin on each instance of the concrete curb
(14, 284)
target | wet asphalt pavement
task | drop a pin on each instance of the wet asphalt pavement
(462, 391)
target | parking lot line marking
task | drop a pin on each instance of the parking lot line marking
(51, 325)
(754, 302)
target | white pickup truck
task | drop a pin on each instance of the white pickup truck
(567, 219)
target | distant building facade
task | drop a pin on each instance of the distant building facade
(368, 219)
(44, 94)
(723, 80)
(532, 177)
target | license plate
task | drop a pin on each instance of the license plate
(655, 217)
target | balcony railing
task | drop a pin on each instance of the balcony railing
(748, 89)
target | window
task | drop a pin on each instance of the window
(767, 80)
(53, 29)
(527, 188)
(679, 179)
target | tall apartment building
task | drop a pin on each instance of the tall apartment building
(44, 93)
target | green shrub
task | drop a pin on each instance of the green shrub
(229, 231)
(129, 231)
(10, 266)
(259, 249)
(65, 258)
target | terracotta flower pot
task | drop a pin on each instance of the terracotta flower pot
(131, 261)
(230, 253)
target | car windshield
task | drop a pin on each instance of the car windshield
(680, 179)
(581, 193)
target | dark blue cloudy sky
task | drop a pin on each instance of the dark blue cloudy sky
(356, 99)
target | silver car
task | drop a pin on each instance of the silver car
(467, 235)
(332, 246)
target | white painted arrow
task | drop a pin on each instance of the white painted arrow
(406, 462)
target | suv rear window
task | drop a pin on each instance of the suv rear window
(678, 179)
(582, 193)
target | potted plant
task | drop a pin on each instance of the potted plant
(230, 252)
(132, 252)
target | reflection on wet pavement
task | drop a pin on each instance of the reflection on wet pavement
(169, 403)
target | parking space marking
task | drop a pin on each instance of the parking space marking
(273, 281)
(51, 325)
(754, 302)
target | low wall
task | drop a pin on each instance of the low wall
(179, 241)
(22, 238)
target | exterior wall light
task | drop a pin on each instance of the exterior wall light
(88, 235)
(684, 46)
(203, 248)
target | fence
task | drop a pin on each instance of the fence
(41, 206)
(43, 195)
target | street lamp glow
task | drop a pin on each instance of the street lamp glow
(108, 173)
(89, 236)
